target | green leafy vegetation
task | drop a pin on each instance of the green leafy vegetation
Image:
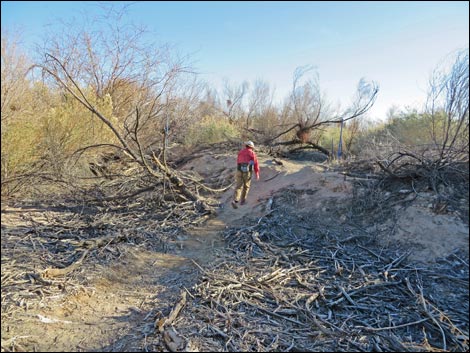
(211, 130)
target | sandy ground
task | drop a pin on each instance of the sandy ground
(121, 303)
(419, 228)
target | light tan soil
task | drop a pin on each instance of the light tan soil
(119, 304)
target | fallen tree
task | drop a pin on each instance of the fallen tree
(144, 86)
(306, 108)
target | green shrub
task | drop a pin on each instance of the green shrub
(19, 147)
(210, 130)
(43, 139)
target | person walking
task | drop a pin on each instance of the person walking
(247, 163)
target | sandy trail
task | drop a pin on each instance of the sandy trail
(120, 303)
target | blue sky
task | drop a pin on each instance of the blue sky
(397, 44)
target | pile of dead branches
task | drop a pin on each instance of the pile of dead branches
(292, 283)
(380, 185)
(55, 245)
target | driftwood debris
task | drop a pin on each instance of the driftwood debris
(68, 239)
(163, 323)
(56, 272)
(320, 287)
(288, 281)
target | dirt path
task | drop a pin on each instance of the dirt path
(118, 306)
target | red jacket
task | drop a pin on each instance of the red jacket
(245, 156)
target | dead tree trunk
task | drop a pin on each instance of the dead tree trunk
(58, 70)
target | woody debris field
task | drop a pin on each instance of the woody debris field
(324, 256)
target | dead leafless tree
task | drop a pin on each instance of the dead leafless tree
(234, 100)
(309, 110)
(14, 70)
(442, 165)
(447, 112)
(447, 107)
(260, 102)
(143, 79)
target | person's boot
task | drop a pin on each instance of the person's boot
(242, 202)
(235, 204)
